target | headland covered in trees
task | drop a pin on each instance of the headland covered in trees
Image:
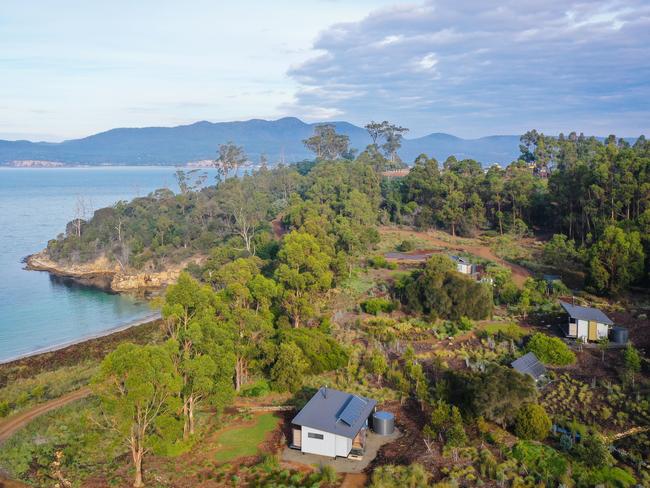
(287, 281)
(591, 196)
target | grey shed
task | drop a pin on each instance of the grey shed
(530, 365)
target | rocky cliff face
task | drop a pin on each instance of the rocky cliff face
(103, 274)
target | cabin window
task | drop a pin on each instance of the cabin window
(313, 435)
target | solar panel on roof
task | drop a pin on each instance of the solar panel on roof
(529, 364)
(352, 410)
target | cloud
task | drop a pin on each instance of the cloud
(477, 68)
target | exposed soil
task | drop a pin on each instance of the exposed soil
(354, 480)
(5, 483)
(409, 447)
(10, 426)
(639, 328)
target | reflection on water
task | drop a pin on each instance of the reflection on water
(73, 284)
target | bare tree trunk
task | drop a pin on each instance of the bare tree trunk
(137, 461)
(137, 452)
(238, 373)
(191, 414)
(186, 422)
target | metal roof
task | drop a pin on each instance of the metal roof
(460, 259)
(336, 412)
(586, 313)
(529, 364)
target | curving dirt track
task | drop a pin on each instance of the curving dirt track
(519, 273)
(14, 423)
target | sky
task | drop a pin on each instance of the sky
(470, 68)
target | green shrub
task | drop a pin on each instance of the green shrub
(532, 422)
(438, 290)
(257, 389)
(406, 245)
(550, 350)
(322, 351)
(375, 305)
(465, 324)
(380, 262)
(390, 476)
(592, 451)
(541, 461)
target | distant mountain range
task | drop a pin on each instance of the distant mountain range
(278, 139)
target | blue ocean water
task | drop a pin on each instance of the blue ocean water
(38, 311)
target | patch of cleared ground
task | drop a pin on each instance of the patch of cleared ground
(392, 236)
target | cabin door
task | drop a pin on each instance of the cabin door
(297, 437)
(593, 331)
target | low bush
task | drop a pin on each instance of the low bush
(550, 350)
(375, 305)
(532, 422)
(542, 462)
(256, 389)
(380, 262)
(322, 351)
(406, 245)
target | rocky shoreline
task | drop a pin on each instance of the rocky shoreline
(103, 274)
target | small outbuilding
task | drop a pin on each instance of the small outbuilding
(332, 423)
(463, 265)
(586, 323)
(530, 365)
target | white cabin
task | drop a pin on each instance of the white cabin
(333, 424)
(586, 323)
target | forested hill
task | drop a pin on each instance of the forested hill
(276, 139)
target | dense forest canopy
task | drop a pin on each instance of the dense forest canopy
(594, 194)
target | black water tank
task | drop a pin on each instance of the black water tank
(619, 335)
(383, 423)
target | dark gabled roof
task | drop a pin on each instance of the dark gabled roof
(460, 259)
(336, 412)
(529, 364)
(586, 313)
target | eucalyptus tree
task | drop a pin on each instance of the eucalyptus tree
(230, 158)
(243, 305)
(326, 143)
(202, 347)
(304, 274)
(138, 387)
(245, 206)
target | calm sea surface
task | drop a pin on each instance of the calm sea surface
(38, 311)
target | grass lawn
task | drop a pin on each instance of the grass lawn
(358, 283)
(507, 329)
(244, 441)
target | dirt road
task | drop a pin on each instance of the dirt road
(519, 273)
(11, 425)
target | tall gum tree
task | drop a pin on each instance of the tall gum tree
(138, 388)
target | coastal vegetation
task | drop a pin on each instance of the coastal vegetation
(291, 282)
